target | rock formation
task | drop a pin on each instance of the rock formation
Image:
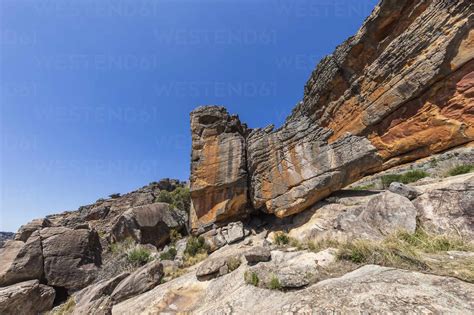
(398, 90)
(218, 167)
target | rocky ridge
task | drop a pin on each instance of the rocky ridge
(398, 90)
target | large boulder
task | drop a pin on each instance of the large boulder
(29, 297)
(218, 167)
(71, 257)
(388, 213)
(26, 230)
(141, 280)
(217, 267)
(95, 299)
(149, 224)
(448, 208)
(21, 261)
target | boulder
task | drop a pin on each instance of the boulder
(26, 230)
(95, 299)
(143, 279)
(149, 224)
(21, 261)
(218, 167)
(257, 254)
(71, 257)
(404, 190)
(448, 209)
(233, 232)
(217, 267)
(388, 213)
(29, 297)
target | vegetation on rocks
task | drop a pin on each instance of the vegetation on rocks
(251, 278)
(405, 178)
(281, 238)
(274, 284)
(461, 169)
(139, 256)
(195, 245)
(170, 254)
(180, 198)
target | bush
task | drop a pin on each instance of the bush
(139, 256)
(180, 198)
(405, 178)
(114, 196)
(195, 245)
(461, 169)
(251, 278)
(175, 236)
(170, 254)
(274, 284)
(281, 238)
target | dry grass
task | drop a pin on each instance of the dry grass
(65, 308)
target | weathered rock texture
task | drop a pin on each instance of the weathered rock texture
(29, 297)
(400, 89)
(218, 167)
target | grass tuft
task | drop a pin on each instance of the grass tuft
(274, 284)
(405, 178)
(281, 238)
(461, 169)
(251, 277)
(139, 256)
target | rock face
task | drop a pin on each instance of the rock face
(29, 297)
(399, 90)
(71, 257)
(449, 207)
(21, 261)
(218, 167)
(142, 280)
(149, 224)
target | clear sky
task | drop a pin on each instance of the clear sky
(95, 94)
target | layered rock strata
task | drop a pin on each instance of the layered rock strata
(402, 88)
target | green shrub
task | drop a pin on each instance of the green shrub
(251, 278)
(139, 256)
(274, 284)
(165, 196)
(114, 196)
(170, 254)
(461, 169)
(175, 236)
(405, 178)
(281, 238)
(180, 198)
(195, 245)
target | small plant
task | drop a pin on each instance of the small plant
(365, 187)
(195, 245)
(274, 284)
(461, 169)
(281, 238)
(123, 246)
(65, 308)
(233, 263)
(139, 256)
(405, 178)
(180, 198)
(434, 162)
(251, 277)
(175, 236)
(170, 254)
(114, 196)
(165, 196)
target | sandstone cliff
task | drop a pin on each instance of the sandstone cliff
(400, 89)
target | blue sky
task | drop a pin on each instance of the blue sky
(95, 94)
